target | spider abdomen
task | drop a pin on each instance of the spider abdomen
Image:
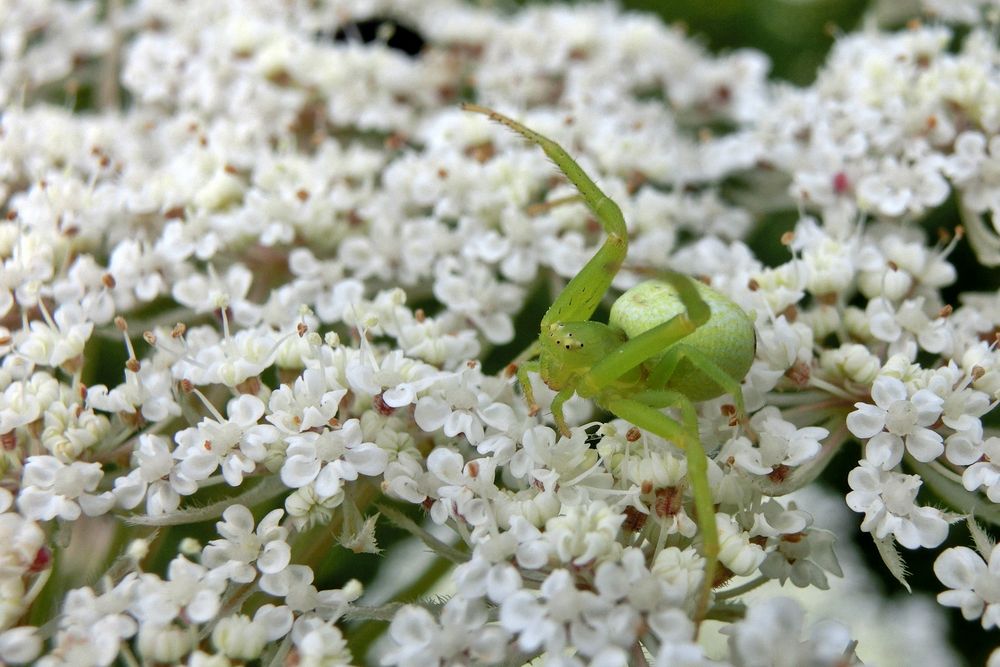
(727, 338)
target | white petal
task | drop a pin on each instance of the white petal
(275, 557)
(246, 409)
(96, 504)
(959, 567)
(866, 421)
(328, 482)
(931, 525)
(887, 390)
(203, 606)
(368, 459)
(399, 395)
(928, 406)
(885, 450)
(431, 413)
(298, 471)
(924, 444)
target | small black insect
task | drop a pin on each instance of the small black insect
(392, 33)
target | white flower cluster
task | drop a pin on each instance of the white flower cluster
(309, 254)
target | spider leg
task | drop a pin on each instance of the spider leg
(664, 369)
(637, 350)
(525, 382)
(557, 409)
(584, 292)
(684, 434)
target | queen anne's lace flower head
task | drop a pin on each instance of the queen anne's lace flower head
(259, 272)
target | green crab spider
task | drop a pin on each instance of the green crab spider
(669, 342)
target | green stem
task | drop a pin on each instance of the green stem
(362, 636)
(736, 591)
(269, 487)
(945, 484)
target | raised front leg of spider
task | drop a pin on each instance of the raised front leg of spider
(668, 343)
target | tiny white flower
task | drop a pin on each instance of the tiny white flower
(20, 543)
(240, 545)
(888, 500)
(736, 551)
(190, 588)
(320, 643)
(236, 445)
(330, 457)
(464, 402)
(53, 489)
(975, 583)
(20, 645)
(985, 472)
(780, 443)
(312, 402)
(904, 419)
(771, 634)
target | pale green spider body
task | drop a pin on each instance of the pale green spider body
(727, 338)
(669, 342)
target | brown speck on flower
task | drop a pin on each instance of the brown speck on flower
(636, 180)
(779, 473)
(634, 519)
(42, 560)
(395, 141)
(799, 373)
(250, 386)
(668, 501)
(378, 402)
(482, 153)
(841, 184)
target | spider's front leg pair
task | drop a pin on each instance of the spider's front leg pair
(668, 343)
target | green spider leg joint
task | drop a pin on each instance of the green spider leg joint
(669, 342)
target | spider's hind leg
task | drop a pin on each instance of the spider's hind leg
(684, 434)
